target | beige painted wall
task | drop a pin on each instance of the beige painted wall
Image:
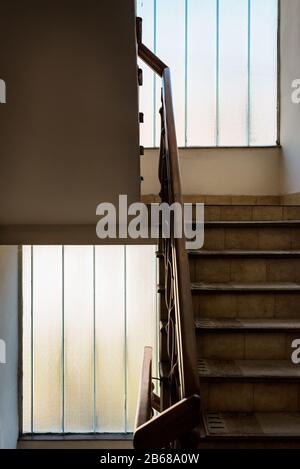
(69, 130)
(9, 333)
(290, 113)
(254, 171)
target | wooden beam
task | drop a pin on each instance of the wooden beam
(151, 59)
(170, 425)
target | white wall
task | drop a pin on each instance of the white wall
(69, 129)
(9, 333)
(254, 171)
(290, 113)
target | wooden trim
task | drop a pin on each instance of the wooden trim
(144, 406)
(151, 59)
(170, 425)
(139, 30)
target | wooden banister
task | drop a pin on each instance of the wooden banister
(183, 380)
(151, 59)
(144, 406)
(184, 306)
(170, 425)
(183, 298)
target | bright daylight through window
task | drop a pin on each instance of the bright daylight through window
(87, 314)
(223, 60)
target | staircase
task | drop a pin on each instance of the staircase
(234, 386)
(246, 292)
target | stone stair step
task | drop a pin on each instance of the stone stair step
(232, 287)
(251, 212)
(241, 254)
(248, 370)
(256, 425)
(247, 325)
(253, 224)
(246, 284)
(245, 267)
(230, 304)
(252, 235)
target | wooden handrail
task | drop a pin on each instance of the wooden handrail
(185, 315)
(144, 406)
(186, 339)
(170, 425)
(181, 411)
(146, 54)
(151, 60)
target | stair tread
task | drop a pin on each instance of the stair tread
(248, 324)
(248, 369)
(251, 223)
(245, 287)
(244, 253)
(256, 424)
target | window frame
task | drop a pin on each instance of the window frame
(126, 435)
(277, 144)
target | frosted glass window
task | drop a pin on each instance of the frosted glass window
(88, 312)
(140, 290)
(170, 38)
(110, 349)
(47, 331)
(78, 338)
(263, 72)
(27, 346)
(233, 72)
(202, 73)
(223, 60)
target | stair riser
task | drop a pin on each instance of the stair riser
(246, 345)
(251, 213)
(270, 443)
(239, 396)
(274, 238)
(255, 305)
(244, 270)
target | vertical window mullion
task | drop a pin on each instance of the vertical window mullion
(94, 338)
(63, 341)
(125, 340)
(154, 74)
(32, 346)
(186, 75)
(278, 73)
